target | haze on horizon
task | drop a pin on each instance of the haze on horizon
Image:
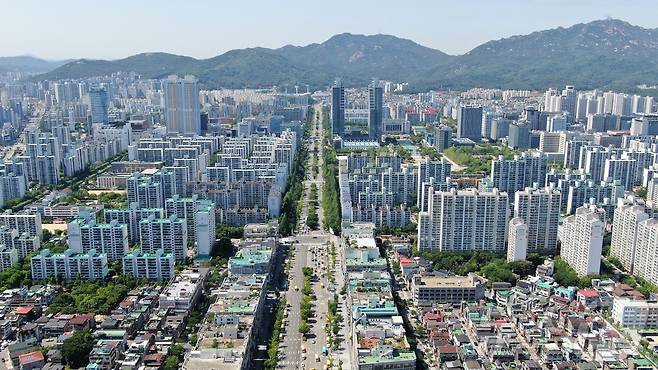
(203, 29)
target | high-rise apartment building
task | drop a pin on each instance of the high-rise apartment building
(511, 175)
(23, 222)
(152, 266)
(646, 251)
(517, 240)
(146, 191)
(131, 217)
(628, 216)
(169, 234)
(540, 210)
(592, 161)
(111, 239)
(69, 265)
(581, 192)
(205, 227)
(463, 221)
(581, 236)
(623, 170)
(438, 170)
(652, 191)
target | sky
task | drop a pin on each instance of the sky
(119, 28)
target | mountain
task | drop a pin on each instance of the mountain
(605, 54)
(366, 57)
(28, 64)
(152, 65)
(256, 67)
(357, 58)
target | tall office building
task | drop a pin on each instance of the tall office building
(442, 138)
(581, 236)
(540, 210)
(569, 100)
(519, 136)
(464, 221)
(98, 105)
(181, 104)
(531, 116)
(469, 123)
(375, 110)
(517, 240)
(338, 104)
(628, 216)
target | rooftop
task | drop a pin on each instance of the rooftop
(448, 281)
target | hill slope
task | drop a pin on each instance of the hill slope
(29, 64)
(152, 65)
(365, 57)
(606, 54)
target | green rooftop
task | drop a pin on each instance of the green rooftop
(401, 356)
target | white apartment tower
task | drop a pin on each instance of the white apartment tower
(581, 236)
(646, 252)
(169, 234)
(205, 227)
(517, 240)
(628, 217)
(540, 210)
(465, 221)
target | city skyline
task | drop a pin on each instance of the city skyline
(153, 32)
(360, 204)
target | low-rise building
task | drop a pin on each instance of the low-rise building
(428, 290)
(153, 266)
(69, 265)
(184, 291)
(635, 314)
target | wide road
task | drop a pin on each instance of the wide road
(311, 250)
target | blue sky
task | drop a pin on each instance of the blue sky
(113, 29)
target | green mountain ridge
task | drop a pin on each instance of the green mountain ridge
(26, 63)
(604, 54)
